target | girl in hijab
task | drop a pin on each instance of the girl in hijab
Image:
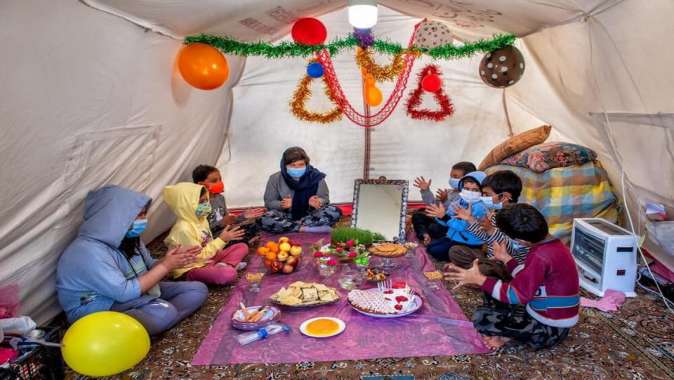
(297, 197)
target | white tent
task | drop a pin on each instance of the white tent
(90, 96)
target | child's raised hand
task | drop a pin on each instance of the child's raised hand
(232, 233)
(436, 211)
(500, 252)
(442, 194)
(180, 257)
(254, 213)
(465, 213)
(486, 223)
(465, 276)
(422, 184)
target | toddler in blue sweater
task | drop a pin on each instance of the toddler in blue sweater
(470, 188)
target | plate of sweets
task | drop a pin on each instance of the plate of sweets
(376, 275)
(386, 301)
(388, 249)
(303, 294)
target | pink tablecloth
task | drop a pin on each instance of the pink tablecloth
(438, 328)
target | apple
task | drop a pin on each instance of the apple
(282, 256)
(292, 260)
(283, 240)
(296, 250)
(288, 269)
(284, 247)
(276, 266)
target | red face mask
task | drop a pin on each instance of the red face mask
(216, 188)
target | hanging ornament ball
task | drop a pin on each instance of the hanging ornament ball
(503, 67)
(309, 31)
(315, 70)
(431, 83)
(373, 96)
(432, 34)
(203, 66)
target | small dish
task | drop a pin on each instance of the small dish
(270, 314)
(322, 327)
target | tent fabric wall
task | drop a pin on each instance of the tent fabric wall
(88, 99)
(261, 126)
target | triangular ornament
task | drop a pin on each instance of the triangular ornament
(414, 100)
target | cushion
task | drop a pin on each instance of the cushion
(542, 157)
(516, 144)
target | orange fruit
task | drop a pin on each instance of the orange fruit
(262, 251)
(271, 256)
(273, 247)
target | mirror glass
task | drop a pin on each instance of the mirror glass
(380, 206)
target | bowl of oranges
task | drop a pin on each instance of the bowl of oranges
(280, 256)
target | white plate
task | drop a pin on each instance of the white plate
(303, 327)
(415, 305)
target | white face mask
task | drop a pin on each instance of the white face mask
(470, 196)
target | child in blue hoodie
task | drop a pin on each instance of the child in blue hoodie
(470, 194)
(107, 266)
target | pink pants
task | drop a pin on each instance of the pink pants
(221, 270)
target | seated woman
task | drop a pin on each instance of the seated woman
(297, 197)
(107, 266)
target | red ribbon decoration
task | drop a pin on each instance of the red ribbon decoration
(446, 107)
(387, 109)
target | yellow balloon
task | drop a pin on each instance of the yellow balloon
(104, 344)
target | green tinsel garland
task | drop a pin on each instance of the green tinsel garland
(291, 49)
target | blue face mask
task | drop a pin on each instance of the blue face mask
(454, 183)
(296, 172)
(137, 228)
(203, 209)
(489, 202)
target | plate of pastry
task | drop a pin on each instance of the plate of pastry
(305, 294)
(388, 249)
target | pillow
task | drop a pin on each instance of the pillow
(542, 157)
(516, 144)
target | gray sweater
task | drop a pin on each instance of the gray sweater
(277, 189)
(428, 198)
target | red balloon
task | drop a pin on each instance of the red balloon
(431, 83)
(309, 31)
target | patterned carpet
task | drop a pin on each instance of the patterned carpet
(635, 343)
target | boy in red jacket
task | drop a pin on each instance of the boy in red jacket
(547, 283)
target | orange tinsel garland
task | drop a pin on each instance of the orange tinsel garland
(298, 104)
(380, 73)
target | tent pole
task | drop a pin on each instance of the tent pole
(368, 135)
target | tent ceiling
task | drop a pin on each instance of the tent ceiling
(269, 20)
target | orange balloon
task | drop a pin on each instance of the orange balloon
(373, 96)
(369, 80)
(203, 66)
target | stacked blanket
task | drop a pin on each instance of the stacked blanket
(565, 193)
